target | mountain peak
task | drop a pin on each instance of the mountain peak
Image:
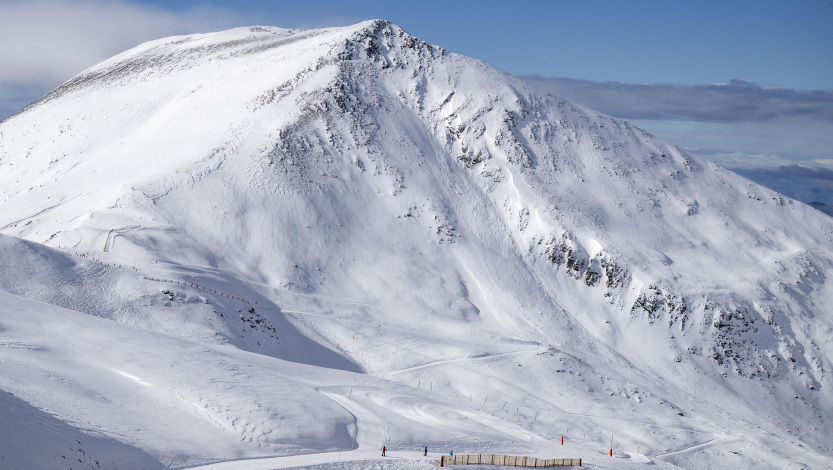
(201, 50)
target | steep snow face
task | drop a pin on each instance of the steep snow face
(423, 207)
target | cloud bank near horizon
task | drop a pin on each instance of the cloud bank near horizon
(733, 102)
(739, 124)
(798, 182)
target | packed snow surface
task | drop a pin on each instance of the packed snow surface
(268, 248)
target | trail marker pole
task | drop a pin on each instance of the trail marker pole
(611, 444)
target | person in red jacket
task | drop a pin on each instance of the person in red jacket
(383, 450)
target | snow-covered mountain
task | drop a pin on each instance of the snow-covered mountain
(429, 250)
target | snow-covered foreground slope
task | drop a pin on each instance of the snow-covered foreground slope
(428, 250)
(127, 397)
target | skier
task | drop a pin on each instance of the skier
(426, 451)
(383, 450)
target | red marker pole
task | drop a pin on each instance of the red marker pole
(611, 444)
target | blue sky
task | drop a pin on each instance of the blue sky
(655, 63)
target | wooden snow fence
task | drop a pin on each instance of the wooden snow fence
(508, 460)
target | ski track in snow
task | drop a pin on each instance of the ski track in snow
(690, 448)
(308, 460)
(630, 421)
(328, 317)
(462, 359)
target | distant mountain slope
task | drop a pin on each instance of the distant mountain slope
(827, 209)
(409, 209)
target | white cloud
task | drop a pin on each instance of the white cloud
(794, 139)
(765, 127)
(823, 162)
(735, 159)
(797, 181)
(734, 102)
(46, 42)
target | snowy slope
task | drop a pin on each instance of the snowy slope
(398, 214)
